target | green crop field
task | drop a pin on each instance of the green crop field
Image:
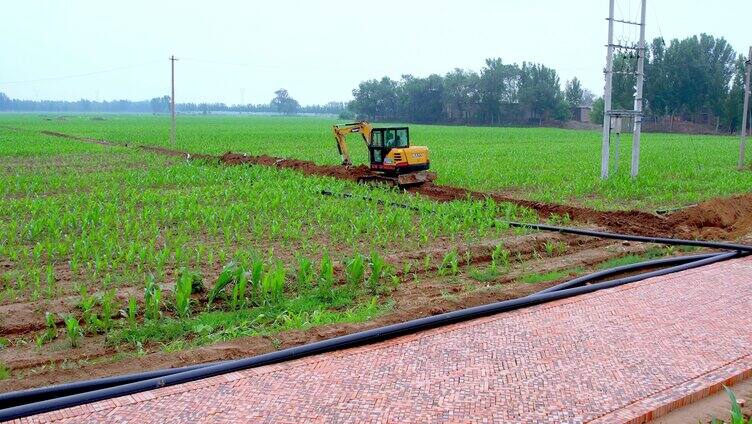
(544, 164)
(110, 254)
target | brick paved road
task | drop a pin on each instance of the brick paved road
(613, 356)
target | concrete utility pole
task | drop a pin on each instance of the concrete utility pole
(605, 145)
(745, 109)
(608, 112)
(638, 96)
(172, 101)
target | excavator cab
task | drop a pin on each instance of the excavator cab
(385, 139)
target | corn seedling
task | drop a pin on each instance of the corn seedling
(449, 264)
(132, 311)
(107, 302)
(50, 331)
(183, 290)
(354, 271)
(73, 330)
(87, 307)
(238, 291)
(152, 298)
(226, 277)
(549, 248)
(378, 269)
(326, 277)
(304, 274)
(273, 283)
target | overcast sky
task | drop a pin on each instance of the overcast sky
(242, 51)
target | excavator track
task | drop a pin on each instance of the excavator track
(400, 180)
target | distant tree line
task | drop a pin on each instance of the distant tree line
(282, 103)
(499, 94)
(698, 79)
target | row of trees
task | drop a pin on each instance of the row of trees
(282, 103)
(697, 77)
(499, 93)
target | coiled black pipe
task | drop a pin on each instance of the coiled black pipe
(360, 338)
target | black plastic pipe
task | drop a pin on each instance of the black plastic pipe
(626, 237)
(599, 275)
(356, 339)
(21, 397)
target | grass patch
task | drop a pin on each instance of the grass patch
(299, 313)
(535, 278)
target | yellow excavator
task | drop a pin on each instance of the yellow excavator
(393, 160)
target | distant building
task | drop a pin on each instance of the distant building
(581, 113)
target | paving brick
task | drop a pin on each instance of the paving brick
(619, 355)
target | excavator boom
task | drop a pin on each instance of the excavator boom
(341, 132)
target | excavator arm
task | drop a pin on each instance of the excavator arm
(341, 132)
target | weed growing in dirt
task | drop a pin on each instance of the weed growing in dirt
(549, 276)
(737, 417)
(4, 372)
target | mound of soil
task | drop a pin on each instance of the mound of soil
(633, 222)
(729, 217)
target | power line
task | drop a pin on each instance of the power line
(104, 71)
